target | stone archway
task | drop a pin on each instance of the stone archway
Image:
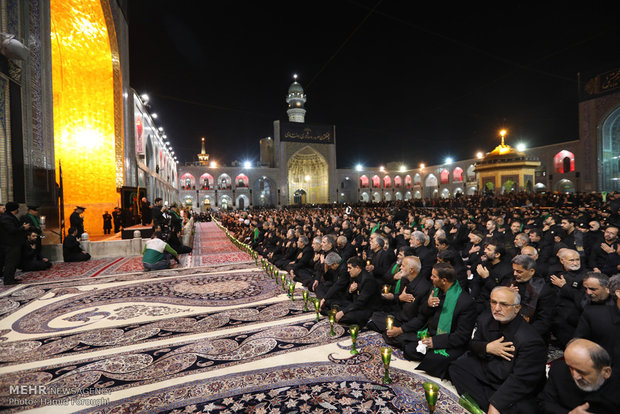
(308, 172)
(243, 202)
(264, 192)
(300, 197)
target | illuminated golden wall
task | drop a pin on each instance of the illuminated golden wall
(88, 138)
(308, 171)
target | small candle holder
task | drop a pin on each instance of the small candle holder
(317, 307)
(386, 289)
(386, 356)
(291, 291)
(335, 308)
(354, 330)
(389, 322)
(431, 392)
(283, 280)
(332, 320)
(306, 295)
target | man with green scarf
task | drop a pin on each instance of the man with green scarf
(446, 324)
(32, 218)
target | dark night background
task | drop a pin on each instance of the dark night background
(401, 82)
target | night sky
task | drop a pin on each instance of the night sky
(401, 82)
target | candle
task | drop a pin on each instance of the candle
(386, 289)
(389, 322)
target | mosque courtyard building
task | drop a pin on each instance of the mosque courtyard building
(298, 165)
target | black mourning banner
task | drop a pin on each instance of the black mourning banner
(601, 84)
(315, 134)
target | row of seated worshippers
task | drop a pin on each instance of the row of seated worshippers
(481, 314)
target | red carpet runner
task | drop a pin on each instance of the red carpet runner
(211, 247)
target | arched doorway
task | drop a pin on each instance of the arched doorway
(609, 148)
(299, 197)
(565, 186)
(263, 192)
(243, 202)
(430, 184)
(564, 162)
(364, 197)
(347, 190)
(206, 204)
(188, 201)
(308, 171)
(225, 202)
(224, 182)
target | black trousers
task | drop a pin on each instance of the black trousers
(12, 257)
(468, 375)
(78, 257)
(34, 265)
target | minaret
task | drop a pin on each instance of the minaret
(203, 157)
(296, 100)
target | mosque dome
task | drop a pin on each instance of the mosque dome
(503, 153)
(295, 88)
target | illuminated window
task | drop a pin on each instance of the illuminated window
(444, 176)
(563, 162)
(363, 181)
(457, 174)
(376, 182)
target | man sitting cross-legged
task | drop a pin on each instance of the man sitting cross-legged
(363, 295)
(504, 368)
(410, 293)
(449, 315)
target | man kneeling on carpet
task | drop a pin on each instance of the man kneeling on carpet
(31, 258)
(157, 253)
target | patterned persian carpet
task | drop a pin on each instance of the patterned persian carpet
(214, 337)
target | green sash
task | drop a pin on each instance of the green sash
(447, 311)
(377, 226)
(35, 220)
(256, 233)
(395, 270)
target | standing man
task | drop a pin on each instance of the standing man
(157, 215)
(117, 219)
(145, 209)
(77, 221)
(12, 237)
(107, 222)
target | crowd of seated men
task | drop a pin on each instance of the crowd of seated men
(476, 291)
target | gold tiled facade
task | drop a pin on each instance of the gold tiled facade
(88, 139)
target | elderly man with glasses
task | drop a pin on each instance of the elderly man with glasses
(504, 369)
